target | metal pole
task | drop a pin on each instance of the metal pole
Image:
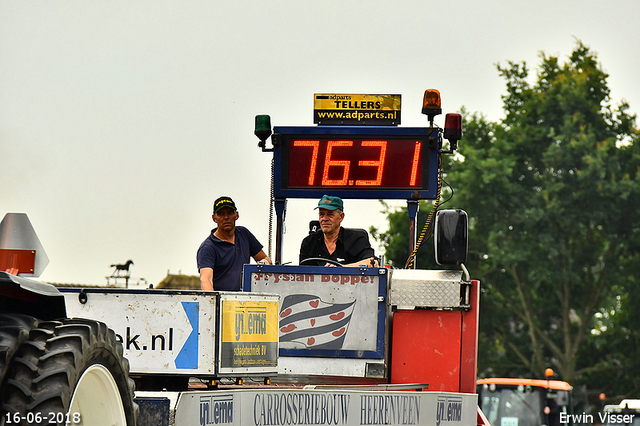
(280, 205)
(413, 207)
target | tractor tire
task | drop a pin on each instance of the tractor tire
(69, 371)
(14, 329)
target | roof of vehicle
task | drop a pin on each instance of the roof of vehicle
(633, 404)
(546, 384)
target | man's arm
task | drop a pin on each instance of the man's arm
(255, 247)
(206, 279)
(359, 247)
(262, 256)
(368, 262)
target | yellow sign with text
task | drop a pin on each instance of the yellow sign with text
(353, 109)
(249, 334)
(249, 321)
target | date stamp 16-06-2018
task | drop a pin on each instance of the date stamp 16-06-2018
(37, 418)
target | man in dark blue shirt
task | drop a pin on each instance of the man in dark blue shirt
(221, 256)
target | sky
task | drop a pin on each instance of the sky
(122, 121)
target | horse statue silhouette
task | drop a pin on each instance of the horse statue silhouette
(122, 268)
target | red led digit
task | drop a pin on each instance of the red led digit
(379, 164)
(314, 157)
(414, 166)
(328, 162)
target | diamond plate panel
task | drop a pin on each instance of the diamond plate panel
(411, 288)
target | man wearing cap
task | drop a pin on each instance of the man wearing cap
(350, 247)
(221, 256)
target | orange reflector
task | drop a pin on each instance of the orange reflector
(549, 372)
(431, 104)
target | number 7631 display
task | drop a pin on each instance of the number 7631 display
(355, 163)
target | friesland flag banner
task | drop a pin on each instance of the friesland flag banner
(308, 320)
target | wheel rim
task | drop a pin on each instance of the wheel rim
(97, 399)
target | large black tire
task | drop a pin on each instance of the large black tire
(14, 329)
(68, 371)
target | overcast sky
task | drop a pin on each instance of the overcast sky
(122, 121)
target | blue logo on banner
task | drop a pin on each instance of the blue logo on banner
(188, 355)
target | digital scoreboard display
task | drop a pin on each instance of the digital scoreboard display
(355, 162)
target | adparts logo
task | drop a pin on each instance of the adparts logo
(449, 410)
(216, 410)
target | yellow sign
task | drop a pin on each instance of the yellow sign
(249, 332)
(355, 109)
(249, 321)
(361, 102)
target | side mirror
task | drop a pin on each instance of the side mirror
(451, 238)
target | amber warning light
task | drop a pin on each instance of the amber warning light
(431, 104)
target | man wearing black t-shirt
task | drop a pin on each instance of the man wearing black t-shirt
(349, 247)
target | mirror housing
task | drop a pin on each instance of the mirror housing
(451, 238)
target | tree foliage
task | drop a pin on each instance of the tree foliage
(552, 192)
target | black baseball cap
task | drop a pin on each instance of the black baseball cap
(223, 202)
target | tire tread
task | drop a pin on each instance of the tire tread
(42, 375)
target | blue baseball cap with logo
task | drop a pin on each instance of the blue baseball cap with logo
(330, 202)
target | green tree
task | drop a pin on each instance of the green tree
(551, 192)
